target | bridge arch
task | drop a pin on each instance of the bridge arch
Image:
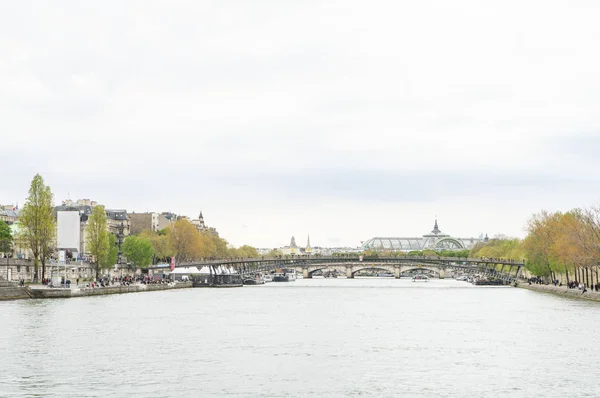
(426, 270)
(378, 267)
(449, 244)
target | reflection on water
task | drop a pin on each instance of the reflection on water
(321, 337)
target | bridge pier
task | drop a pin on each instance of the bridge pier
(397, 272)
(306, 274)
(442, 273)
(349, 273)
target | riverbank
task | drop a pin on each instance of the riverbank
(562, 291)
(40, 292)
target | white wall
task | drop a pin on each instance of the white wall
(69, 230)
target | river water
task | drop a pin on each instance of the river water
(319, 337)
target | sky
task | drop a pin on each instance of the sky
(344, 120)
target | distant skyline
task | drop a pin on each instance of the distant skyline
(344, 120)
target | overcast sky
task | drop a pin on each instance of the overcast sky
(343, 119)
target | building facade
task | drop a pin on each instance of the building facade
(435, 240)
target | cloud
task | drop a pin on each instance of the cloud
(243, 109)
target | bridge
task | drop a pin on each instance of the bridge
(442, 267)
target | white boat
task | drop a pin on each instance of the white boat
(420, 278)
(284, 275)
(267, 278)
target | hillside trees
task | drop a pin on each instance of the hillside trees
(38, 222)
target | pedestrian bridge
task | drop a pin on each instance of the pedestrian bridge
(397, 265)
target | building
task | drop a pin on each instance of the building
(165, 219)
(435, 240)
(292, 249)
(117, 221)
(68, 226)
(139, 222)
(202, 227)
(9, 214)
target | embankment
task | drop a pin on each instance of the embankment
(562, 291)
(12, 291)
(16, 292)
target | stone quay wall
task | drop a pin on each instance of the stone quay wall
(562, 291)
(17, 292)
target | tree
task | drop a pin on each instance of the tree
(113, 252)
(274, 253)
(38, 222)
(247, 252)
(138, 250)
(6, 238)
(97, 238)
(184, 240)
(160, 244)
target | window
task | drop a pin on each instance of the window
(18, 268)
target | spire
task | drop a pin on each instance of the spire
(436, 229)
(200, 216)
(308, 242)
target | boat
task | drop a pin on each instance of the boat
(420, 278)
(267, 278)
(284, 275)
(217, 277)
(256, 279)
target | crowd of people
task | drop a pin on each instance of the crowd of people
(570, 285)
(125, 281)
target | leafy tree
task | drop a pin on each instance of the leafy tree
(113, 253)
(6, 238)
(97, 238)
(184, 240)
(243, 252)
(138, 250)
(274, 253)
(499, 247)
(38, 222)
(160, 244)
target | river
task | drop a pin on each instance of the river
(319, 337)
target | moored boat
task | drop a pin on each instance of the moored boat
(284, 275)
(256, 279)
(420, 278)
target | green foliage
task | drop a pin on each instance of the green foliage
(97, 238)
(138, 250)
(453, 253)
(243, 252)
(113, 253)
(6, 238)
(500, 247)
(274, 253)
(38, 223)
